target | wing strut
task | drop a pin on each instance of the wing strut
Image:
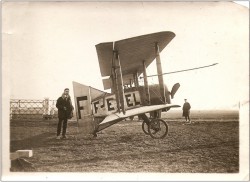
(115, 81)
(159, 71)
(136, 79)
(146, 82)
(119, 83)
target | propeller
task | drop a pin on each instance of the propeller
(174, 90)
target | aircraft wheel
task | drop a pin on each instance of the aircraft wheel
(145, 127)
(157, 128)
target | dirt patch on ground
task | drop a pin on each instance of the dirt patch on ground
(203, 147)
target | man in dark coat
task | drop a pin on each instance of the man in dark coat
(186, 110)
(65, 109)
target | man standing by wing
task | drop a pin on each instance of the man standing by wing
(186, 110)
(65, 109)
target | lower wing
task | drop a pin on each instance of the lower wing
(116, 117)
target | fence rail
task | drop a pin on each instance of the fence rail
(21, 109)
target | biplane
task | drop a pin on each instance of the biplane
(121, 63)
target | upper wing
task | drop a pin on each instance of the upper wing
(126, 81)
(106, 83)
(105, 55)
(132, 52)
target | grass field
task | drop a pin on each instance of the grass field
(210, 145)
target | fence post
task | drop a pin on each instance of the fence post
(11, 110)
(46, 106)
(52, 109)
(19, 107)
(19, 110)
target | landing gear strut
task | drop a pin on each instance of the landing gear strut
(94, 135)
(145, 127)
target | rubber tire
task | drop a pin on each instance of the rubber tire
(162, 122)
(145, 128)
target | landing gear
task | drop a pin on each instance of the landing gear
(131, 118)
(155, 127)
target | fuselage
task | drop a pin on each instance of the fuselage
(133, 98)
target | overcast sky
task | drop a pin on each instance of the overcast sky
(46, 46)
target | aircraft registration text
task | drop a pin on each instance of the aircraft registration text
(108, 105)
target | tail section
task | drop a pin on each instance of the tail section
(83, 96)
